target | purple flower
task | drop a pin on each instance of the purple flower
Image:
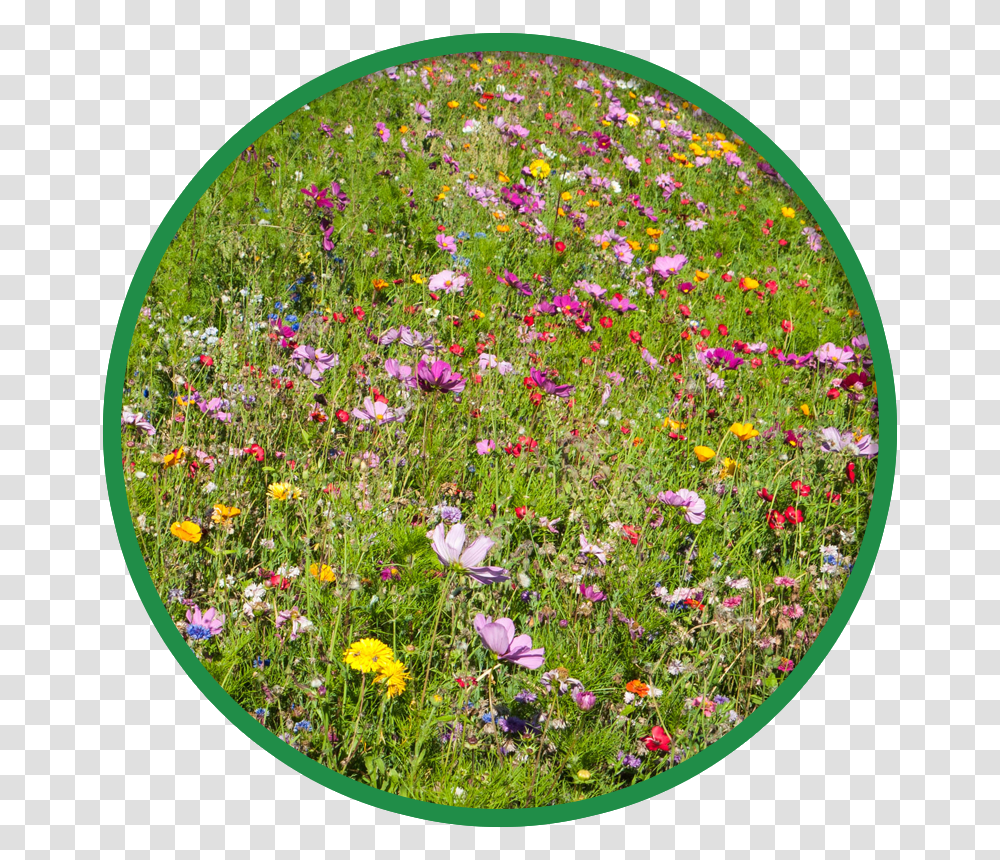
(667, 266)
(623, 253)
(860, 342)
(632, 762)
(861, 446)
(422, 112)
(203, 625)
(548, 386)
(512, 280)
(298, 621)
(499, 637)
(313, 363)
(596, 550)
(377, 411)
(584, 699)
(621, 304)
(696, 224)
(437, 377)
(136, 420)
(713, 380)
(451, 551)
(632, 163)
(382, 132)
(567, 303)
(793, 360)
(834, 355)
(721, 357)
(592, 594)
(591, 289)
(690, 503)
(402, 372)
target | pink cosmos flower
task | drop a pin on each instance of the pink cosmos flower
(484, 446)
(446, 243)
(452, 552)
(499, 637)
(692, 506)
(448, 281)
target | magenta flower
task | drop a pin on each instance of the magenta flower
(548, 386)
(452, 552)
(422, 112)
(512, 280)
(667, 266)
(692, 506)
(585, 700)
(632, 163)
(499, 637)
(446, 243)
(382, 132)
(484, 446)
(313, 363)
(592, 594)
(594, 549)
(203, 625)
(437, 377)
(621, 304)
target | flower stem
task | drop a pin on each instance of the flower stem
(357, 722)
(430, 651)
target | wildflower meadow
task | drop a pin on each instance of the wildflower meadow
(499, 431)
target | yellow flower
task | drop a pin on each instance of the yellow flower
(673, 425)
(322, 572)
(635, 246)
(703, 453)
(653, 232)
(186, 531)
(653, 247)
(583, 774)
(223, 513)
(417, 279)
(700, 275)
(728, 468)
(503, 177)
(478, 314)
(174, 457)
(539, 168)
(394, 675)
(697, 150)
(403, 129)
(632, 120)
(593, 204)
(805, 409)
(453, 104)
(750, 283)
(282, 492)
(503, 228)
(474, 66)
(787, 211)
(368, 655)
(566, 196)
(743, 432)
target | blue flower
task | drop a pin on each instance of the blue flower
(303, 726)
(260, 712)
(461, 235)
(479, 235)
(261, 662)
(198, 631)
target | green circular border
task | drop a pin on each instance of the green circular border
(158, 614)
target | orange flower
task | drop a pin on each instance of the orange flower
(379, 284)
(640, 689)
(186, 531)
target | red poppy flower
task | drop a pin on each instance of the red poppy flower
(727, 277)
(536, 397)
(529, 320)
(723, 330)
(595, 346)
(704, 332)
(775, 520)
(851, 474)
(455, 349)
(765, 495)
(514, 450)
(289, 384)
(343, 416)
(772, 287)
(560, 247)
(658, 740)
(833, 394)
(635, 337)
(528, 442)
(794, 515)
(256, 451)
(684, 310)
(469, 681)
(520, 512)
(206, 360)
(802, 489)
(339, 318)
(631, 534)
(318, 417)
(787, 327)
(606, 322)
(359, 312)
(834, 498)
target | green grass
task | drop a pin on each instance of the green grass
(369, 497)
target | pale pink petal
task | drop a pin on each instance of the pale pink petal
(455, 541)
(488, 575)
(439, 545)
(495, 638)
(476, 552)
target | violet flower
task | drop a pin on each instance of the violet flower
(512, 280)
(452, 552)
(313, 363)
(621, 304)
(692, 506)
(592, 594)
(402, 372)
(585, 700)
(721, 357)
(499, 637)
(793, 360)
(437, 377)
(861, 446)
(377, 411)
(835, 356)
(667, 266)
(203, 625)
(446, 243)
(548, 386)
(136, 420)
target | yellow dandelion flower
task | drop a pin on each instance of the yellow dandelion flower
(632, 120)
(283, 492)
(368, 655)
(186, 531)
(394, 675)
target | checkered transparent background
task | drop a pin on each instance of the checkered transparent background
(108, 109)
